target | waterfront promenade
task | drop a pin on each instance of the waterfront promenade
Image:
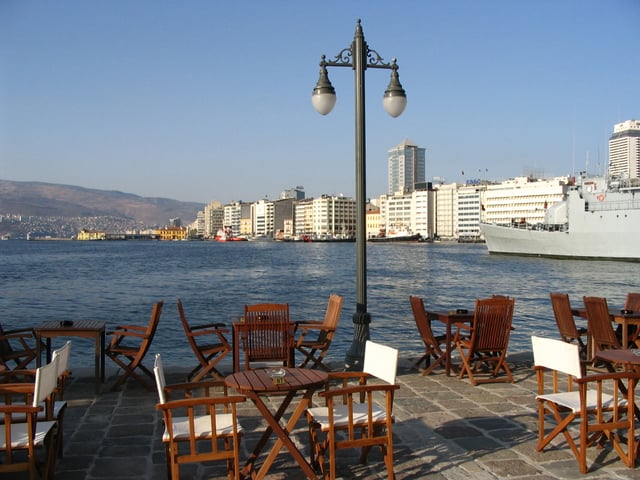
(445, 429)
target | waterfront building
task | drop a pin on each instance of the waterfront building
(246, 222)
(469, 209)
(446, 212)
(423, 213)
(262, 218)
(334, 216)
(231, 217)
(85, 234)
(303, 218)
(213, 218)
(406, 167)
(283, 212)
(172, 233)
(521, 199)
(624, 150)
(374, 221)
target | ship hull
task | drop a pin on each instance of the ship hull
(585, 245)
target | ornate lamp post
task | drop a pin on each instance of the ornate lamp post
(359, 57)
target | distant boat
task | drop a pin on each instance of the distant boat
(595, 220)
(396, 235)
(226, 235)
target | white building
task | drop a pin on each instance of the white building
(262, 218)
(521, 198)
(232, 213)
(624, 150)
(446, 210)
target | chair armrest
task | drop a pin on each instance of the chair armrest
(187, 388)
(208, 325)
(200, 401)
(126, 333)
(209, 331)
(18, 376)
(300, 323)
(125, 328)
(379, 387)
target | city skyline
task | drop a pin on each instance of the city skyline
(202, 101)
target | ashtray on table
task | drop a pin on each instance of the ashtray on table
(277, 375)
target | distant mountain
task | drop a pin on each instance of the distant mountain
(48, 199)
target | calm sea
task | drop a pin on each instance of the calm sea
(119, 281)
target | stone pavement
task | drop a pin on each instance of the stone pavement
(445, 429)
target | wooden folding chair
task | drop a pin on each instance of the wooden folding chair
(129, 345)
(267, 334)
(602, 403)
(209, 345)
(432, 343)
(17, 348)
(315, 348)
(633, 303)
(565, 321)
(198, 428)
(488, 340)
(351, 417)
(603, 336)
(22, 431)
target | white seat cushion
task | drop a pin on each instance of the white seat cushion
(341, 415)
(571, 400)
(19, 436)
(224, 424)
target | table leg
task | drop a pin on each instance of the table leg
(97, 362)
(102, 350)
(273, 421)
(625, 333)
(285, 440)
(447, 361)
(38, 351)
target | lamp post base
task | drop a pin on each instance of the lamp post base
(354, 359)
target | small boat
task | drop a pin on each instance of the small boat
(226, 235)
(396, 235)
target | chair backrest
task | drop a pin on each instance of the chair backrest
(150, 332)
(557, 355)
(633, 302)
(186, 327)
(332, 314)
(564, 317)
(46, 382)
(599, 323)
(423, 324)
(380, 361)
(267, 333)
(492, 322)
(261, 312)
(158, 372)
(331, 318)
(62, 354)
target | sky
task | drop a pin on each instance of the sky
(211, 100)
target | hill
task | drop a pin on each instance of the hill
(54, 200)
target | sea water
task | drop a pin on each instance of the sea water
(119, 281)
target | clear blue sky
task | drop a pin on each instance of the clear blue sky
(210, 100)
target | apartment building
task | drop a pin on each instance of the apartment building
(624, 150)
(406, 167)
(213, 218)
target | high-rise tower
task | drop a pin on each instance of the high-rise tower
(406, 167)
(624, 150)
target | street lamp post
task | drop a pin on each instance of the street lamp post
(359, 57)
